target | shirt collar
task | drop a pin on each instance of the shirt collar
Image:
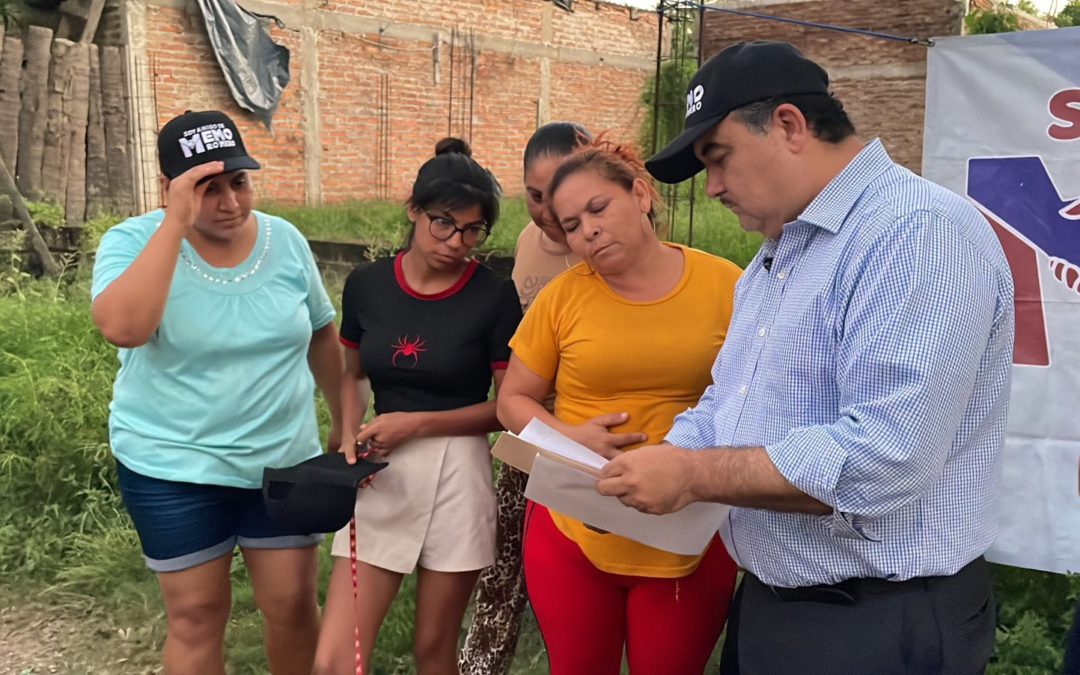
(833, 204)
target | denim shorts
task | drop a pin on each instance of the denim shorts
(181, 525)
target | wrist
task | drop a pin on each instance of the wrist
(421, 424)
(694, 473)
(174, 225)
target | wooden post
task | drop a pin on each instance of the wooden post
(54, 160)
(37, 244)
(79, 19)
(10, 99)
(97, 166)
(76, 113)
(35, 89)
(115, 115)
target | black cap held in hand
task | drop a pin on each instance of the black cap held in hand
(196, 138)
(318, 495)
(744, 73)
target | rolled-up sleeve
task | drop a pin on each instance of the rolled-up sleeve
(917, 314)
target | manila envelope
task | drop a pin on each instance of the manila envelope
(569, 488)
(521, 454)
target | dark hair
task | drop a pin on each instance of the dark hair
(824, 114)
(455, 181)
(555, 139)
(451, 144)
(615, 162)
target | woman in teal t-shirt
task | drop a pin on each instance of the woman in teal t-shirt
(222, 321)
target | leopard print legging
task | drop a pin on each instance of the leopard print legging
(500, 593)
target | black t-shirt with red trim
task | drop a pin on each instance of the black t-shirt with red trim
(428, 352)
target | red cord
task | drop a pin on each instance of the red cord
(355, 594)
(362, 452)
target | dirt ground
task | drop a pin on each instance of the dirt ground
(43, 636)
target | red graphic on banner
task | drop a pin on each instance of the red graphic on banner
(1031, 348)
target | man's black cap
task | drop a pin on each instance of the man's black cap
(744, 73)
(318, 495)
(196, 138)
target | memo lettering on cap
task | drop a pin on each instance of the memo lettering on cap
(693, 100)
(207, 137)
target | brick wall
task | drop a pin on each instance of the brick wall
(532, 60)
(186, 76)
(881, 82)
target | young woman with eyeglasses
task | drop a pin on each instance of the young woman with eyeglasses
(430, 328)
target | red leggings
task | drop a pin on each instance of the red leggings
(586, 616)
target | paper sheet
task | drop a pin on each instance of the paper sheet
(538, 433)
(572, 492)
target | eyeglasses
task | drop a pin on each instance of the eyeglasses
(443, 229)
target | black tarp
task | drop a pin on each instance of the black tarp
(256, 68)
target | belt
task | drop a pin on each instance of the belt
(850, 591)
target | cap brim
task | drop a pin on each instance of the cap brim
(677, 161)
(240, 163)
(326, 469)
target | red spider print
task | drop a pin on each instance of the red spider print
(403, 347)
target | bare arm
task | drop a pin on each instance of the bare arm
(325, 362)
(386, 432)
(353, 400)
(663, 479)
(467, 421)
(520, 401)
(747, 477)
(129, 311)
(520, 397)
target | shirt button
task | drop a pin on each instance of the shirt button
(742, 390)
(780, 276)
(761, 332)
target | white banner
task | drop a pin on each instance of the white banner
(1003, 128)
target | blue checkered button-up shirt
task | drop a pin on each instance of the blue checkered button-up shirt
(872, 361)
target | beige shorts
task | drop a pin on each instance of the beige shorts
(433, 506)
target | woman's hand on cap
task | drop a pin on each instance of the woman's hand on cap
(185, 193)
(350, 450)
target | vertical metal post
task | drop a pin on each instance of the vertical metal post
(693, 181)
(661, 13)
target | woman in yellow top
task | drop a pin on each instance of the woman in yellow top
(626, 340)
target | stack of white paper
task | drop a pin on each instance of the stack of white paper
(572, 492)
(540, 434)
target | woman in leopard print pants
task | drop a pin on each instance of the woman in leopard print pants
(541, 254)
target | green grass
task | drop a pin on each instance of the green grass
(716, 230)
(65, 536)
(383, 225)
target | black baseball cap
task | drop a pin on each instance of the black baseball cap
(317, 495)
(196, 138)
(744, 73)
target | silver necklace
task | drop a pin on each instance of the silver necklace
(237, 278)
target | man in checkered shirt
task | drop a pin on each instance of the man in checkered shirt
(859, 401)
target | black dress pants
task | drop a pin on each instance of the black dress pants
(922, 626)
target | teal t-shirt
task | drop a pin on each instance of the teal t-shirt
(223, 388)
